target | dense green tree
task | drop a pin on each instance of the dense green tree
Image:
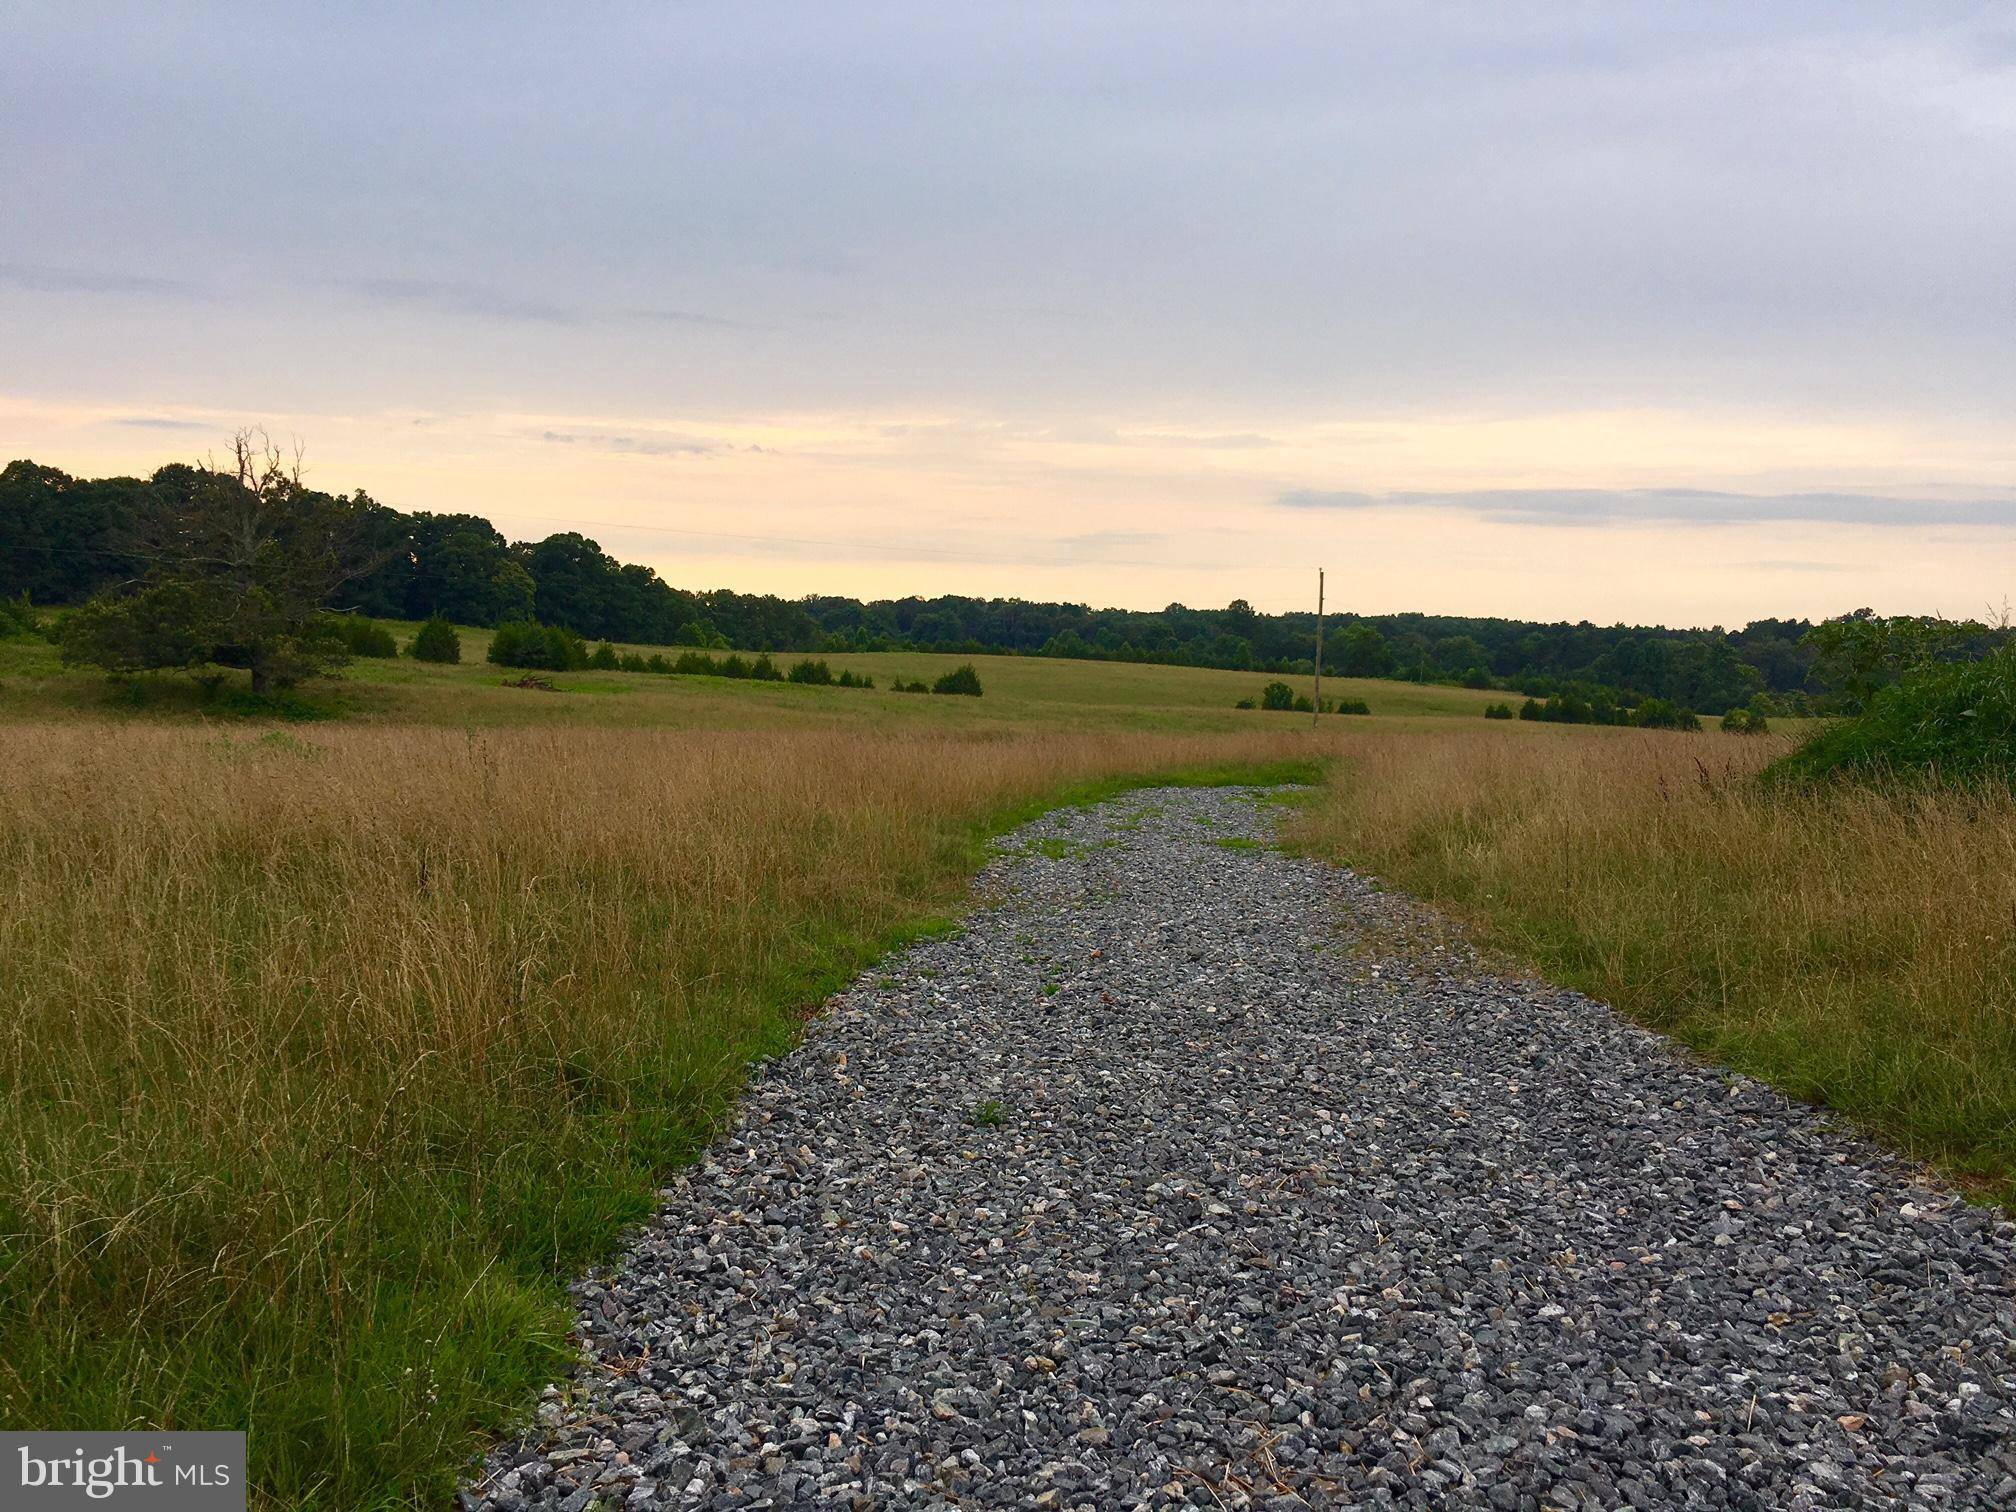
(63, 539)
(1359, 651)
(240, 562)
(1861, 652)
(464, 571)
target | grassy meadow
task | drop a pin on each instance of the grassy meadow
(1020, 692)
(334, 1044)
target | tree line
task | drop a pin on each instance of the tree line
(66, 541)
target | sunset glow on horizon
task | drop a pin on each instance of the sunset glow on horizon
(1635, 314)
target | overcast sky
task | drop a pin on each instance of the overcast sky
(1689, 312)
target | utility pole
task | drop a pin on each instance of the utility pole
(1317, 718)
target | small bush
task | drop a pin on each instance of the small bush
(695, 664)
(1245, 703)
(1531, 709)
(1951, 722)
(900, 686)
(605, 658)
(1302, 704)
(436, 641)
(1353, 706)
(1277, 695)
(17, 618)
(1745, 722)
(814, 672)
(363, 637)
(656, 662)
(633, 662)
(526, 643)
(765, 670)
(854, 680)
(1498, 711)
(1662, 714)
(731, 666)
(962, 680)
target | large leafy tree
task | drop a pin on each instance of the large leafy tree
(237, 561)
(464, 571)
(1860, 652)
(1360, 651)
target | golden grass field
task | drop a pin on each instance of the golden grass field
(332, 1046)
(1854, 946)
(330, 1051)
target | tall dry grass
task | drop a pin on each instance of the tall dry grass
(324, 1055)
(1854, 945)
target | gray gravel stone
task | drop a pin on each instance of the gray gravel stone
(1191, 1174)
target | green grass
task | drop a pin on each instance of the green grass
(1020, 692)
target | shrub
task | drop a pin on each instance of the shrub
(765, 670)
(526, 643)
(436, 642)
(1745, 722)
(1302, 705)
(363, 637)
(694, 633)
(815, 672)
(695, 664)
(1661, 714)
(633, 662)
(1245, 703)
(605, 658)
(1498, 711)
(731, 666)
(1476, 677)
(1531, 709)
(900, 686)
(1353, 706)
(16, 618)
(854, 680)
(655, 662)
(1277, 695)
(962, 680)
(1950, 722)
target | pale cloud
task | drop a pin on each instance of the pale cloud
(1677, 506)
(160, 423)
(37, 279)
(481, 302)
(641, 446)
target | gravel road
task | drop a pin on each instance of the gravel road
(1190, 1173)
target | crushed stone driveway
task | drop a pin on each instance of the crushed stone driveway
(1192, 1173)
